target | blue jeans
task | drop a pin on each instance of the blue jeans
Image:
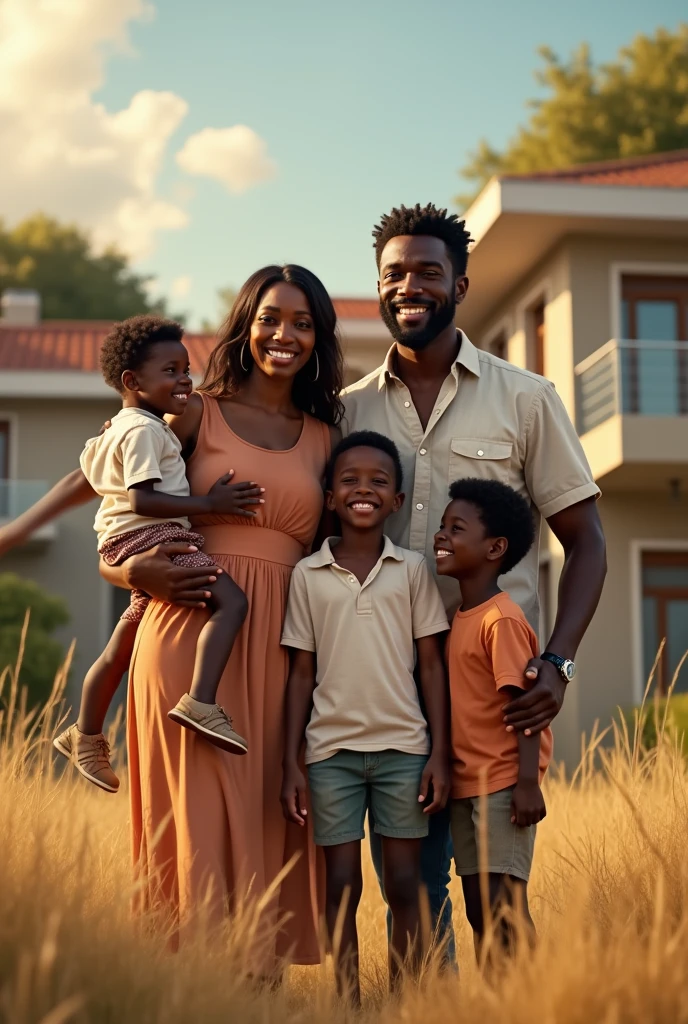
(435, 867)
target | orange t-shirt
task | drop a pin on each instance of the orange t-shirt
(488, 648)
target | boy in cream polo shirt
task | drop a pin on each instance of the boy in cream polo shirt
(355, 609)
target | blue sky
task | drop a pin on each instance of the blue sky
(362, 106)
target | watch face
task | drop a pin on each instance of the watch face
(569, 670)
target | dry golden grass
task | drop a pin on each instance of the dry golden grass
(608, 894)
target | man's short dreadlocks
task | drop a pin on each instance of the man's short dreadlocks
(425, 220)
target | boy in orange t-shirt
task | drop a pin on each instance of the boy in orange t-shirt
(486, 530)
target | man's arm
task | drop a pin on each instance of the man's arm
(72, 490)
(579, 531)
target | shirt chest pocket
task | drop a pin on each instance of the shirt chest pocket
(479, 457)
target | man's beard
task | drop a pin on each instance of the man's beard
(418, 338)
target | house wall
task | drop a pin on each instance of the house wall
(590, 262)
(607, 658)
(576, 281)
(49, 438)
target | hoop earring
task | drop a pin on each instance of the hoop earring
(241, 358)
(317, 367)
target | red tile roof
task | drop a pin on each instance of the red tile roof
(660, 170)
(357, 309)
(74, 345)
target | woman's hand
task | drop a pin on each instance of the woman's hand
(155, 573)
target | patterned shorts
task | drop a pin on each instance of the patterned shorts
(118, 549)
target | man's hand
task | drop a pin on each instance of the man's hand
(527, 804)
(538, 706)
(435, 775)
(155, 573)
(293, 796)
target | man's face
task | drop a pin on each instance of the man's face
(419, 290)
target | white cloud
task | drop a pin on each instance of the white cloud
(180, 287)
(65, 154)
(236, 157)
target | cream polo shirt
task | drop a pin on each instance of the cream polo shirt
(139, 446)
(365, 696)
(491, 420)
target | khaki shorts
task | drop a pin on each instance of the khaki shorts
(509, 848)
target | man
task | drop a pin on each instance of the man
(455, 411)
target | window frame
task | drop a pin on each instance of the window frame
(668, 548)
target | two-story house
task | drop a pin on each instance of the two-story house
(582, 276)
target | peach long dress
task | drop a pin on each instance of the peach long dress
(201, 817)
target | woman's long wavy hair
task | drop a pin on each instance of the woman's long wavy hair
(224, 373)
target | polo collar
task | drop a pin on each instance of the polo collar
(467, 357)
(325, 557)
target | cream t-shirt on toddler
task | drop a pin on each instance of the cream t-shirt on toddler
(138, 446)
(365, 696)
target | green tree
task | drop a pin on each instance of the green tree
(636, 105)
(226, 299)
(43, 654)
(58, 262)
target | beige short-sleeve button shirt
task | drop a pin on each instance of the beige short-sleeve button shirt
(491, 420)
(138, 446)
(365, 696)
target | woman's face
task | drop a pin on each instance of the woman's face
(282, 332)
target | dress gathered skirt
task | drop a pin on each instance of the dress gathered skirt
(207, 826)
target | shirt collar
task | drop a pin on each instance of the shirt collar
(325, 556)
(467, 357)
(128, 411)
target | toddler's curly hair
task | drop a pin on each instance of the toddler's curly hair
(126, 346)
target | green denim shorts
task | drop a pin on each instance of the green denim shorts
(344, 786)
(509, 848)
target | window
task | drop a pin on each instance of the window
(4, 469)
(665, 615)
(499, 346)
(4, 450)
(654, 311)
(539, 339)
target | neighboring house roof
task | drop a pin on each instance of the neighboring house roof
(518, 219)
(658, 170)
(74, 345)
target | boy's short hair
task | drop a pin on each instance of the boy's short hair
(365, 439)
(126, 346)
(503, 512)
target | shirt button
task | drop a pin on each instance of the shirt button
(424, 451)
(407, 405)
(480, 452)
(352, 579)
(419, 506)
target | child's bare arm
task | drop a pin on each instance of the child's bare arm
(433, 683)
(527, 802)
(223, 498)
(72, 490)
(299, 699)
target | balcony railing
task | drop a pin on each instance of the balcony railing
(18, 495)
(646, 378)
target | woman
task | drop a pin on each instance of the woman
(206, 825)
